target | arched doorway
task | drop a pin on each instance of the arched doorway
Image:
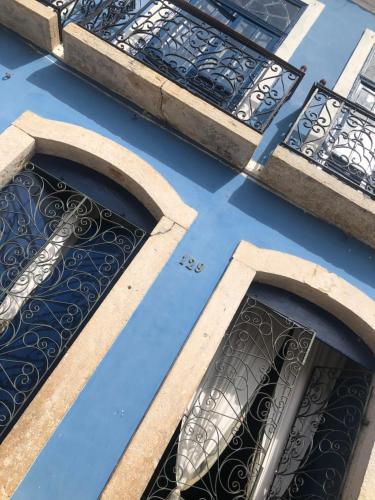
(68, 233)
(147, 193)
(278, 411)
(350, 308)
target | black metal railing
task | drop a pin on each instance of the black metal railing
(192, 49)
(268, 420)
(200, 54)
(74, 11)
(338, 135)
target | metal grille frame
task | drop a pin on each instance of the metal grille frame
(60, 254)
(281, 348)
(336, 421)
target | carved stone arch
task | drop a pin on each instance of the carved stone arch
(315, 284)
(32, 134)
(249, 263)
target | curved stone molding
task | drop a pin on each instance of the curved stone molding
(31, 134)
(249, 263)
(315, 284)
(109, 158)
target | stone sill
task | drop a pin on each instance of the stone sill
(206, 125)
(32, 20)
(303, 184)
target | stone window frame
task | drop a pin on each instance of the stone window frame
(32, 134)
(355, 64)
(249, 263)
(300, 29)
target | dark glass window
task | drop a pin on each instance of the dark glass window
(280, 14)
(266, 23)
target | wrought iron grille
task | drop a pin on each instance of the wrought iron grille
(75, 10)
(224, 437)
(338, 135)
(200, 54)
(323, 436)
(60, 253)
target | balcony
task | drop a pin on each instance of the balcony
(200, 54)
(326, 164)
(337, 135)
(194, 73)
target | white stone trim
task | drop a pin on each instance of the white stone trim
(28, 135)
(249, 263)
(353, 67)
(300, 29)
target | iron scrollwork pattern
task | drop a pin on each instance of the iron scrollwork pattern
(192, 49)
(200, 54)
(60, 253)
(337, 135)
(73, 10)
(225, 434)
(323, 436)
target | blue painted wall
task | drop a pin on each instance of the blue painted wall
(79, 458)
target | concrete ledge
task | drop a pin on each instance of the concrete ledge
(317, 192)
(112, 68)
(214, 130)
(209, 127)
(32, 20)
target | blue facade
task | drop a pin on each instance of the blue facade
(80, 457)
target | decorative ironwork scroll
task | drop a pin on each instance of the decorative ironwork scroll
(323, 436)
(192, 49)
(200, 54)
(74, 10)
(337, 135)
(60, 253)
(224, 437)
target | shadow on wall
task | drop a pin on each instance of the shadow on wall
(131, 127)
(21, 53)
(315, 236)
